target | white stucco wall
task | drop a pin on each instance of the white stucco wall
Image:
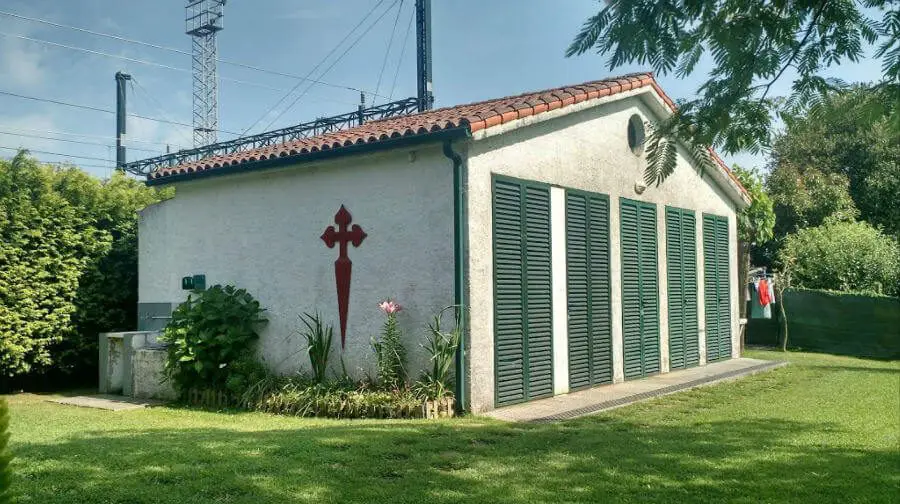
(261, 231)
(585, 150)
(560, 303)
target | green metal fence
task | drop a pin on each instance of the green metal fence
(838, 323)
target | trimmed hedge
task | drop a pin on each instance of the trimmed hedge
(68, 269)
(859, 324)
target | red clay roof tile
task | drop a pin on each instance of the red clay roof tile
(474, 116)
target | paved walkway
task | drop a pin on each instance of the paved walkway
(107, 402)
(607, 397)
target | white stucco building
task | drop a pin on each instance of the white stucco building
(529, 211)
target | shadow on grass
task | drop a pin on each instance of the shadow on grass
(858, 369)
(597, 459)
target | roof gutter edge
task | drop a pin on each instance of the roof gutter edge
(322, 155)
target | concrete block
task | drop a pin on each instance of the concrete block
(116, 355)
(148, 375)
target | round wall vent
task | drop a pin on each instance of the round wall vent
(636, 135)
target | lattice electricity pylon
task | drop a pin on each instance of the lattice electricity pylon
(203, 20)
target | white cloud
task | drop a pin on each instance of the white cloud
(141, 131)
(21, 63)
(32, 125)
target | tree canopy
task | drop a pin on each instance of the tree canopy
(752, 45)
(845, 158)
(756, 222)
(845, 256)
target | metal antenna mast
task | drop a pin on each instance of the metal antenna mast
(120, 119)
(423, 55)
(203, 20)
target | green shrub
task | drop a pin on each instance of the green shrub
(390, 355)
(5, 456)
(843, 256)
(210, 341)
(318, 344)
(298, 396)
(68, 265)
(106, 299)
(441, 347)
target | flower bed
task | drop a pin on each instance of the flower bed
(301, 397)
(212, 363)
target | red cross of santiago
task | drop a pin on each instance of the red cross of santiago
(343, 266)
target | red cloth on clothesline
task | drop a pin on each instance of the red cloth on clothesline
(763, 290)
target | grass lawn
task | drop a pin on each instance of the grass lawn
(824, 429)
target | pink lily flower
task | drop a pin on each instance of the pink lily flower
(389, 307)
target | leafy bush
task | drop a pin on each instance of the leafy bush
(318, 344)
(68, 264)
(210, 340)
(441, 347)
(5, 456)
(842, 256)
(106, 299)
(298, 396)
(390, 354)
(757, 221)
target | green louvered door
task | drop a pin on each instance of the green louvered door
(681, 261)
(717, 298)
(523, 338)
(640, 288)
(588, 289)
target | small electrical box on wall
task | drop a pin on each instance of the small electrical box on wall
(195, 282)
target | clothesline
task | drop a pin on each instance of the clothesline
(761, 295)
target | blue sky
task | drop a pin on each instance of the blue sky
(482, 49)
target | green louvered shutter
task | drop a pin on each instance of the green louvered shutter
(649, 290)
(640, 288)
(723, 288)
(681, 257)
(675, 280)
(578, 288)
(631, 288)
(523, 331)
(717, 287)
(509, 309)
(588, 288)
(710, 287)
(601, 292)
(539, 289)
(689, 288)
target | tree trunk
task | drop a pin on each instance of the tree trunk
(743, 280)
(784, 321)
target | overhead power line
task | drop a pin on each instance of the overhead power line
(90, 158)
(69, 163)
(105, 111)
(81, 142)
(335, 62)
(80, 135)
(412, 16)
(179, 51)
(132, 60)
(313, 70)
(79, 165)
(159, 107)
(56, 102)
(390, 45)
